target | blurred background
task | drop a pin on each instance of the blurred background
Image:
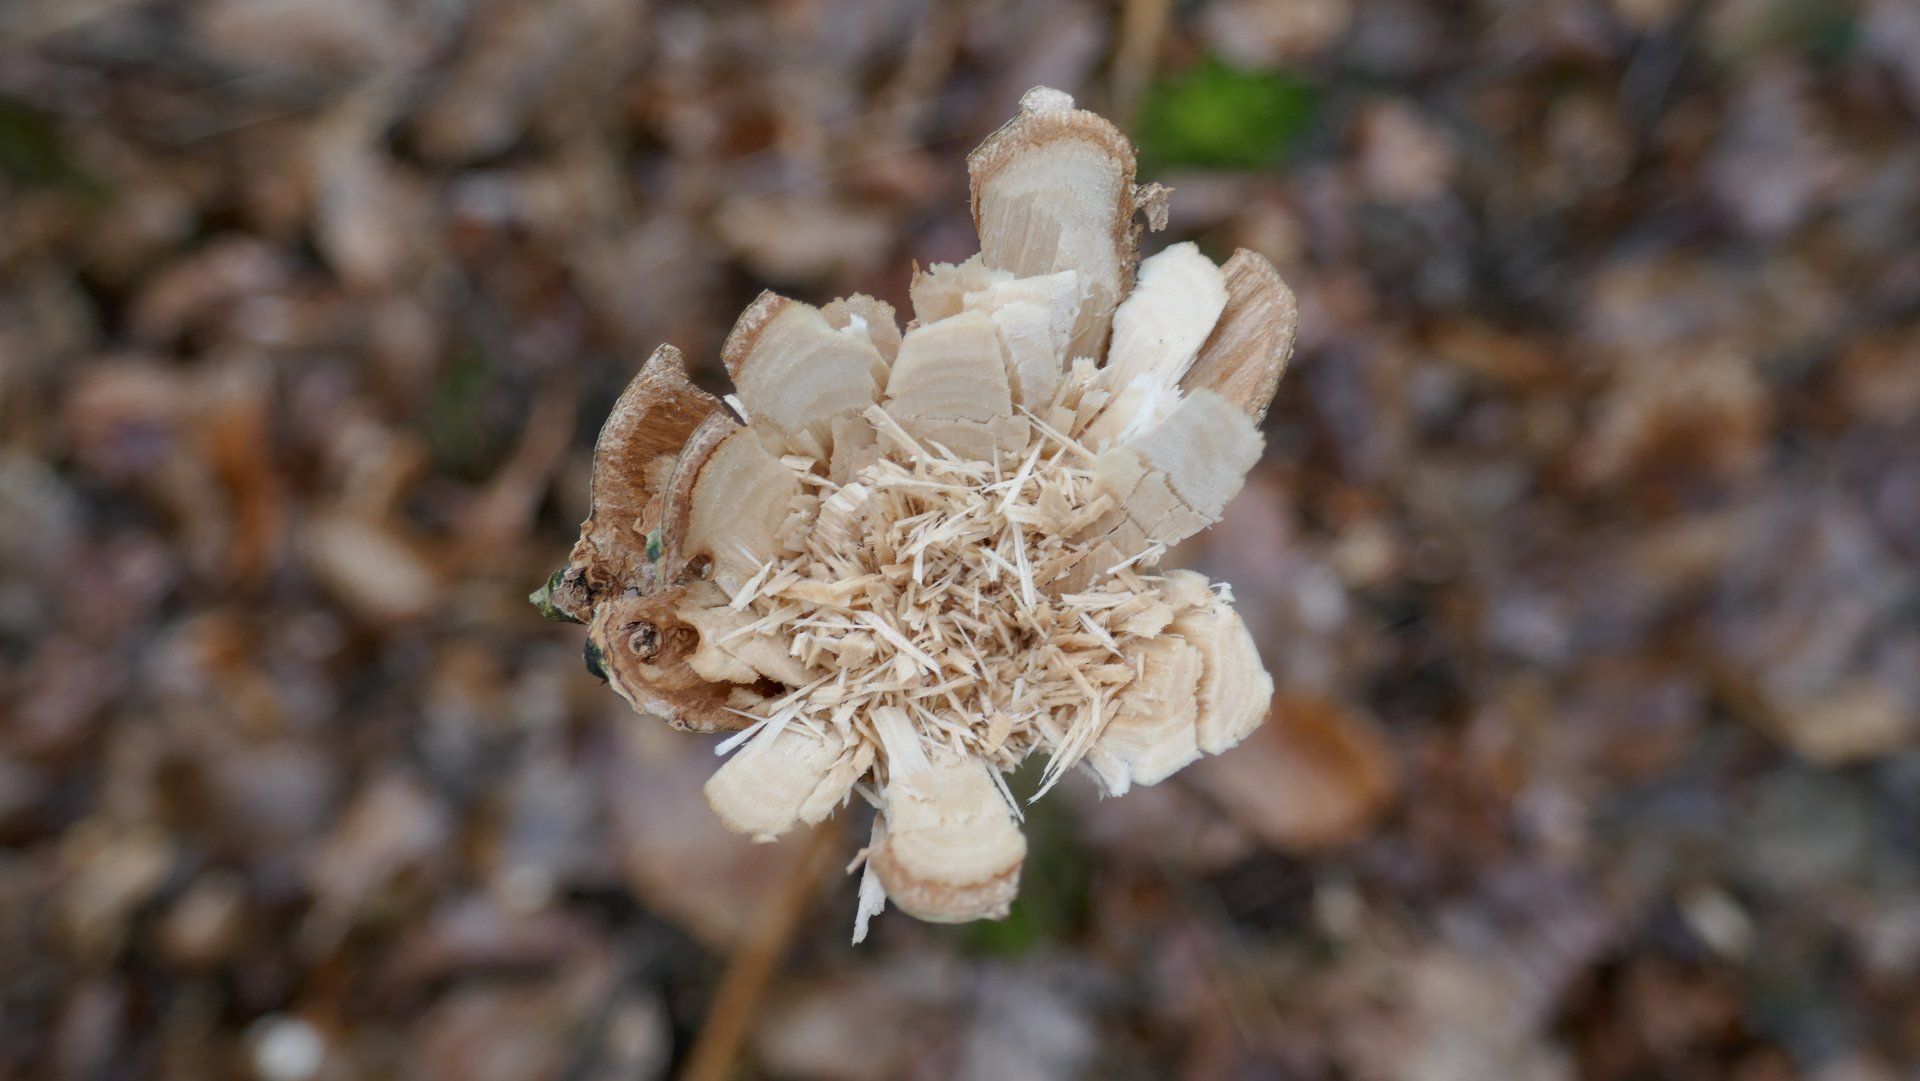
(1584, 550)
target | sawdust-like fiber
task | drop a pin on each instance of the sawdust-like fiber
(947, 608)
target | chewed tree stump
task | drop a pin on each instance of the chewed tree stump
(895, 564)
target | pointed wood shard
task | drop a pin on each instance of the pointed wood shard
(1161, 325)
(862, 314)
(1151, 736)
(952, 852)
(1053, 190)
(795, 777)
(940, 291)
(1249, 348)
(795, 372)
(1156, 333)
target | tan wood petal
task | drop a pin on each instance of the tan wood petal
(1161, 513)
(952, 852)
(1235, 689)
(1249, 348)
(1147, 510)
(950, 385)
(736, 497)
(951, 370)
(1035, 318)
(1151, 734)
(1057, 293)
(793, 778)
(1053, 190)
(1033, 354)
(795, 372)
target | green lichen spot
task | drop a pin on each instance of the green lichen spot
(542, 599)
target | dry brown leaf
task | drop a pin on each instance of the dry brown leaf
(1315, 776)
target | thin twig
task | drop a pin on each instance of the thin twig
(755, 960)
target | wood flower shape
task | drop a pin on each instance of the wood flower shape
(895, 564)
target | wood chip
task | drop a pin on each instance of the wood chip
(1247, 353)
(796, 372)
(952, 852)
(1152, 733)
(1053, 190)
(738, 502)
(793, 778)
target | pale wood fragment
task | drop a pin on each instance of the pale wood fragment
(796, 373)
(952, 852)
(1151, 735)
(950, 386)
(738, 501)
(1248, 350)
(1161, 325)
(855, 446)
(794, 777)
(1053, 190)
(940, 291)
(1035, 318)
(732, 651)
(1205, 446)
(951, 370)
(1156, 333)
(1162, 514)
(842, 521)
(1033, 354)
(1235, 689)
(1058, 294)
(862, 314)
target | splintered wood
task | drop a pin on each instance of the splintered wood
(898, 563)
